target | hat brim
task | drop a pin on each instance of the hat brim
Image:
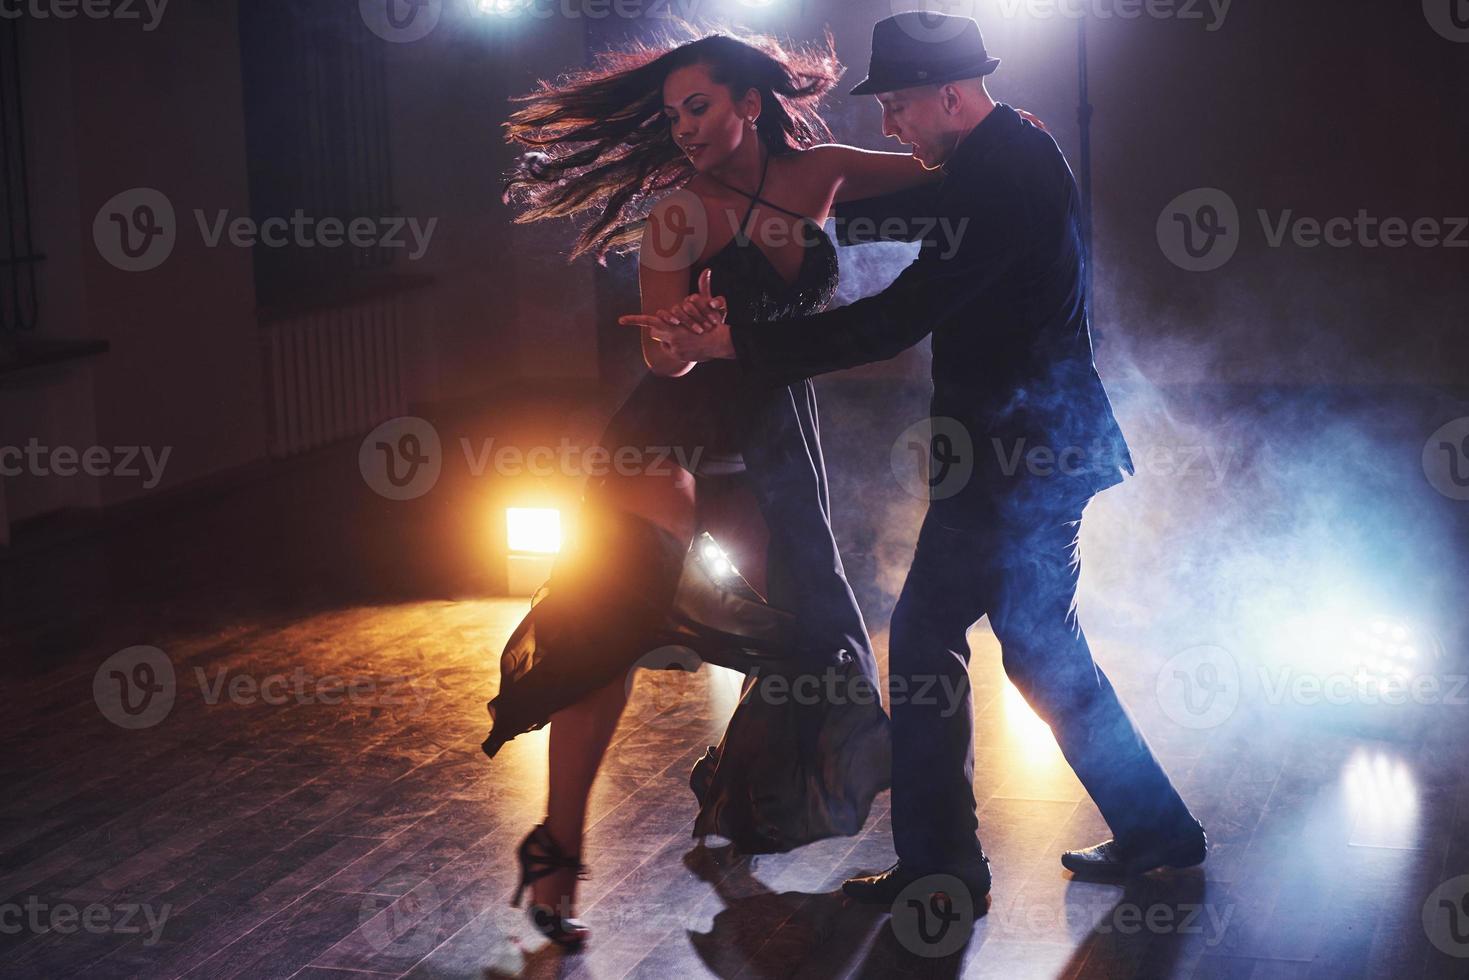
(871, 85)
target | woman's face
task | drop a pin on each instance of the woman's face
(707, 123)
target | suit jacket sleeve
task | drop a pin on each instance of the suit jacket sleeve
(903, 216)
(933, 293)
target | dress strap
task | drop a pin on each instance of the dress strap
(754, 198)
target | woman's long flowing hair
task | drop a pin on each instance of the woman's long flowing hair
(600, 145)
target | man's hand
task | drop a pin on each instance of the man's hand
(694, 330)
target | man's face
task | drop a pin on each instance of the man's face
(916, 116)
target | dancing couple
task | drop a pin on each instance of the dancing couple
(722, 136)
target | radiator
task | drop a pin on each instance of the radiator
(333, 374)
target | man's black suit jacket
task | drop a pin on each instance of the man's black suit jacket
(1002, 290)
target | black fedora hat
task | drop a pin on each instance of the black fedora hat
(922, 48)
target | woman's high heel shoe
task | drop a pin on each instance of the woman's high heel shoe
(540, 855)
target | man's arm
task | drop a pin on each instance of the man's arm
(902, 216)
(930, 294)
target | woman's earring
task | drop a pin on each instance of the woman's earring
(751, 122)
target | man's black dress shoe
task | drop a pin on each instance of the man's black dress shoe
(1110, 859)
(885, 887)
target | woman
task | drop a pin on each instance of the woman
(727, 131)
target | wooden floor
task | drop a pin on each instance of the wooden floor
(267, 824)
(370, 837)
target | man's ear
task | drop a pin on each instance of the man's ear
(951, 98)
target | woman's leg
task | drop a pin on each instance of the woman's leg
(581, 733)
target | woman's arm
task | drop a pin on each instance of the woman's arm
(856, 173)
(664, 261)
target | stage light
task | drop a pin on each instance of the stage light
(1381, 796)
(1031, 735)
(533, 539)
(533, 530)
(503, 8)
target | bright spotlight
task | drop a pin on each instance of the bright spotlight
(503, 8)
(533, 530)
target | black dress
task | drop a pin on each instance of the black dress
(790, 769)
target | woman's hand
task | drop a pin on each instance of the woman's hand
(1033, 119)
(694, 330)
(699, 313)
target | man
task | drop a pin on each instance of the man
(1013, 369)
